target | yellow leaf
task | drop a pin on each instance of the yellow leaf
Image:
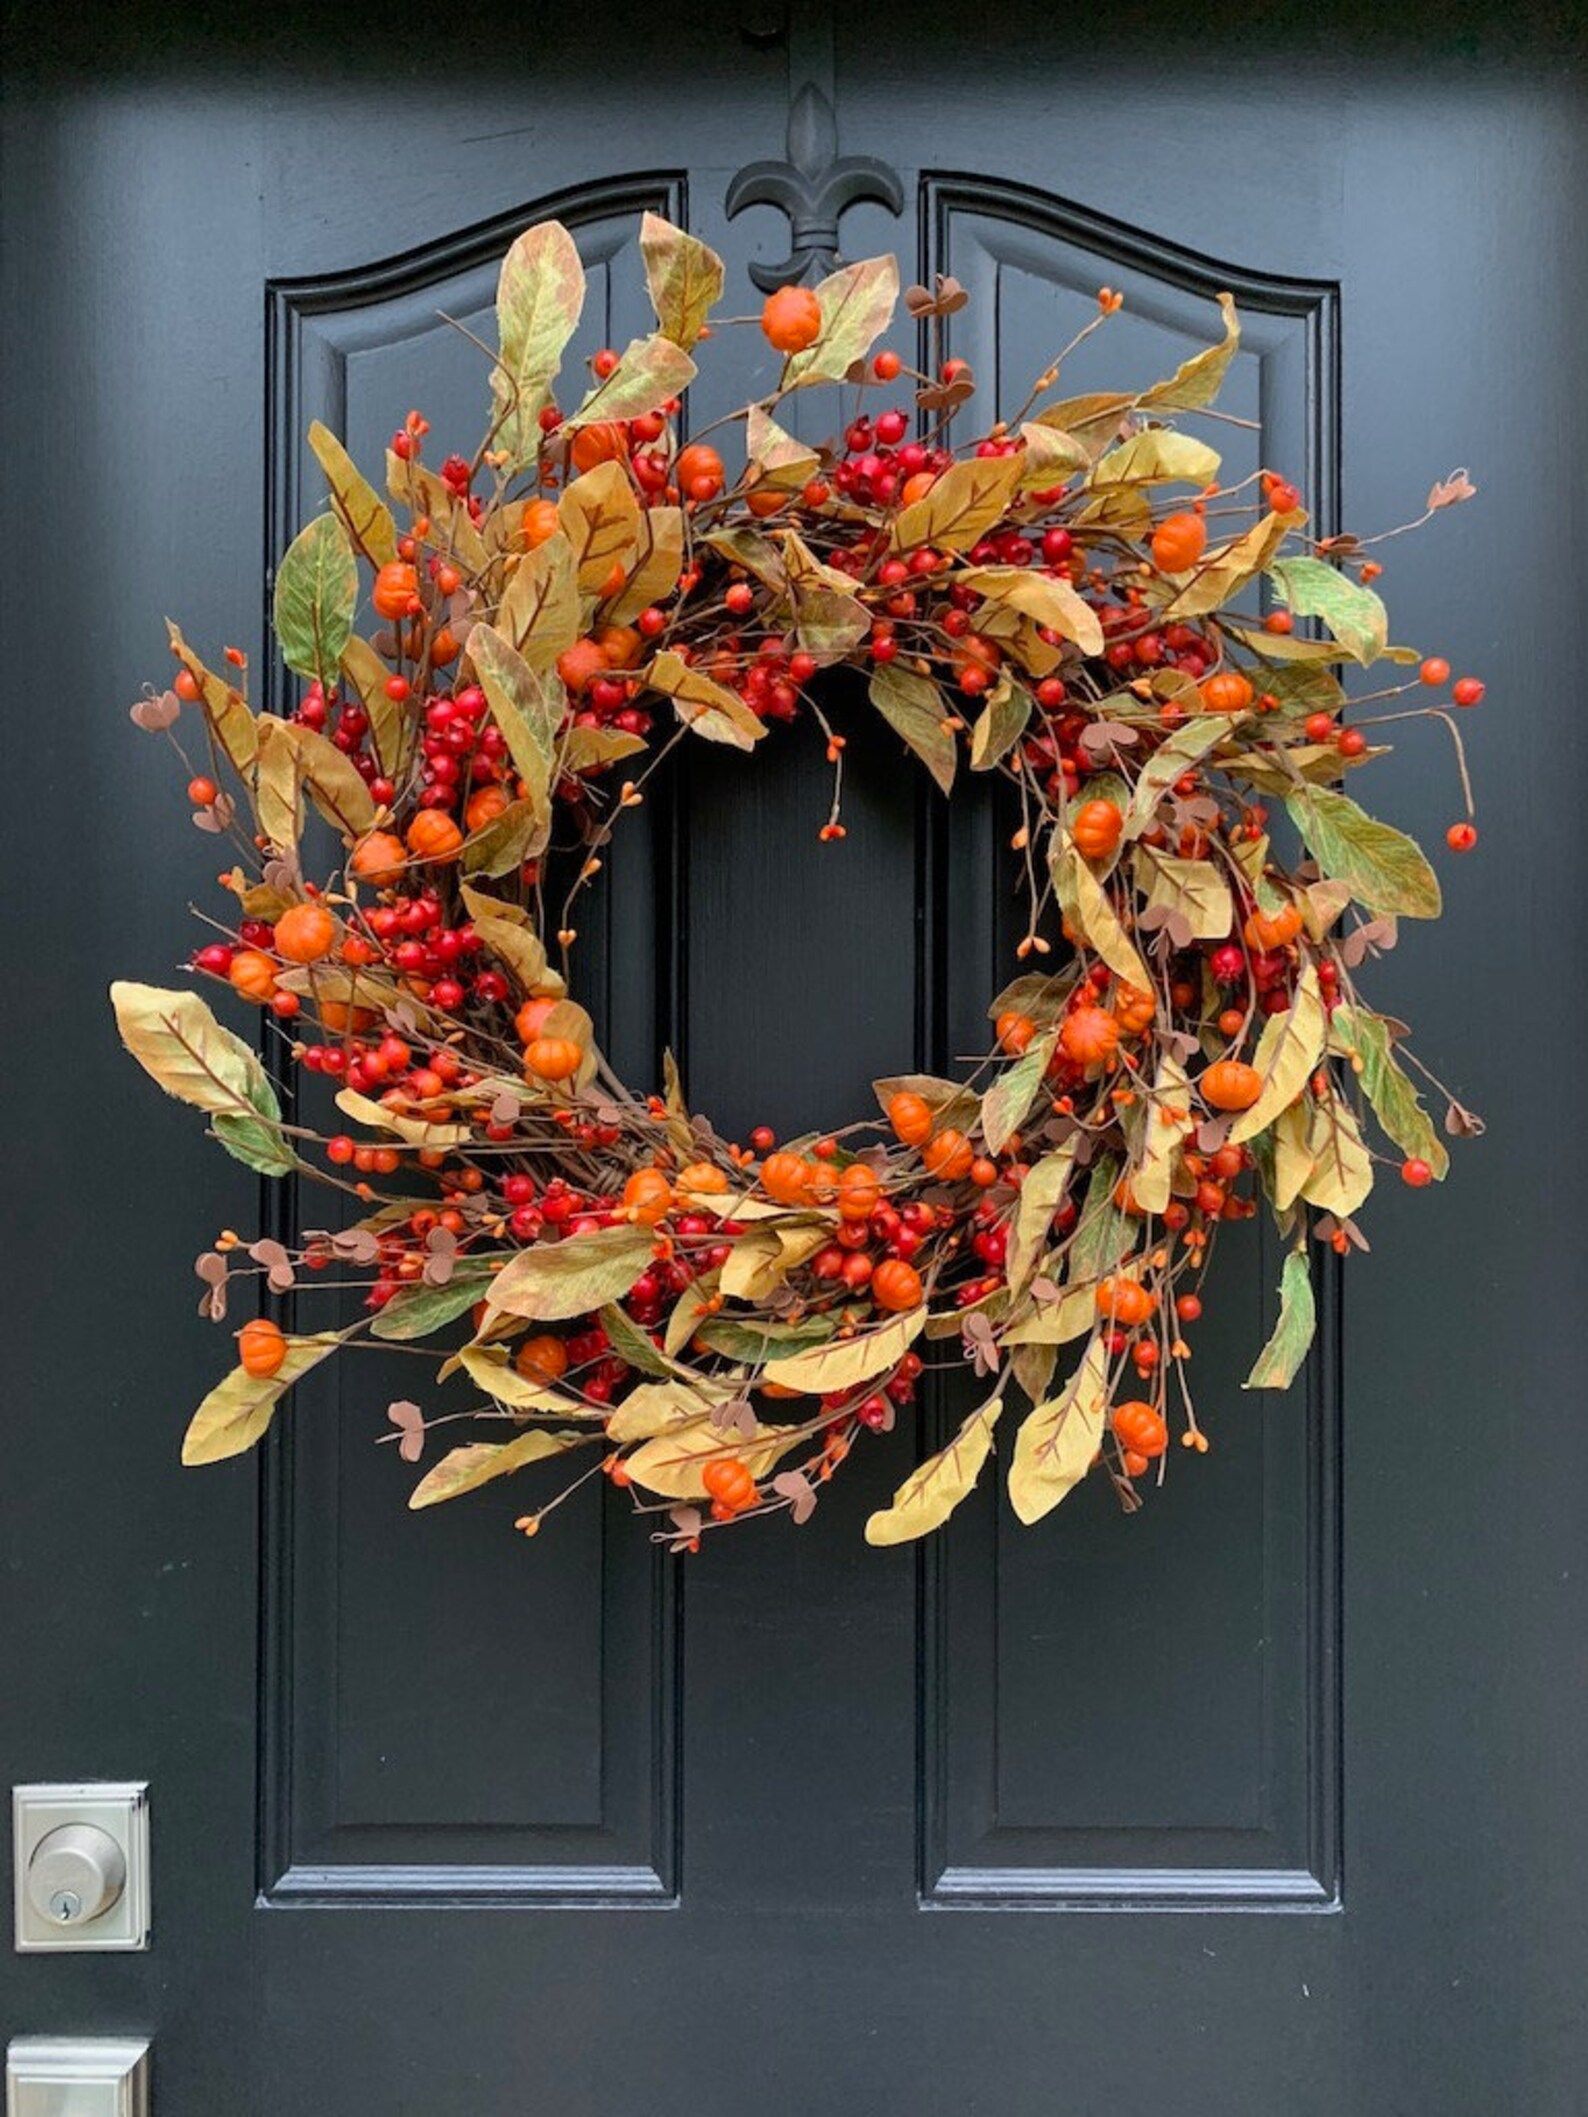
(1041, 1195)
(704, 706)
(1170, 1119)
(656, 564)
(477, 1462)
(857, 304)
(488, 1366)
(237, 1411)
(847, 1362)
(1228, 569)
(1196, 889)
(1341, 1175)
(1287, 1051)
(1050, 602)
(393, 731)
(1197, 381)
(674, 1462)
(1087, 906)
(930, 1494)
(761, 1259)
(1157, 457)
(417, 1131)
(1050, 457)
(961, 506)
(539, 612)
(779, 459)
(224, 706)
(365, 515)
(1058, 1441)
(600, 517)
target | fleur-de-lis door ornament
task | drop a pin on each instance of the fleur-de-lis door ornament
(814, 187)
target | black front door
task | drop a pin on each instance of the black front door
(1260, 1801)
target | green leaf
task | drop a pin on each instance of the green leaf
(1280, 1360)
(1007, 1103)
(1395, 1101)
(539, 297)
(316, 595)
(477, 1462)
(916, 710)
(1287, 1051)
(257, 1143)
(1387, 870)
(517, 835)
(1001, 723)
(237, 1411)
(753, 1343)
(553, 1280)
(1354, 614)
(857, 305)
(930, 1494)
(415, 1311)
(850, 1361)
(365, 515)
(684, 277)
(1196, 383)
(1058, 1442)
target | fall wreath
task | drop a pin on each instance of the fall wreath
(714, 1325)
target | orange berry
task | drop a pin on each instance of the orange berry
(542, 1358)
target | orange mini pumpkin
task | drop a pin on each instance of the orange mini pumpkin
(1272, 929)
(261, 1348)
(896, 1285)
(1140, 1428)
(305, 933)
(1228, 692)
(786, 1179)
(1089, 1036)
(434, 836)
(1229, 1084)
(910, 1115)
(553, 1058)
(1096, 828)
(949, 1154)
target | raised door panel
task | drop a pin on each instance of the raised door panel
(1143, 1712)
(443, 1720)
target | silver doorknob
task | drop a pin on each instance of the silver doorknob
(77, 1873)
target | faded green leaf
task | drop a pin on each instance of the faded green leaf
(539, 297)
(649, 371)
(394, 731)
(539, 613)
(1280, 1360)
(1395, 1101)
(180, 1045)
(528, 706)
(1387, 870)
(684, 276)
(460, 1470)
(1089, 910)
(1041, 1195)
(915, 709)
(316, 595)
(417, 1310)
(1001, 723)
(1007, 1103)
(554, 1280)
(1039, 596)
(857, 305)
(706, 707)
(1354, 614)
(1187, 746)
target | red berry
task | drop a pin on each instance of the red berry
(1416, 1172)
(1467, 690)
(1435, 670)
(1462, 837)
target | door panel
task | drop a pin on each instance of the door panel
(1208, 1778)
(444, 1823)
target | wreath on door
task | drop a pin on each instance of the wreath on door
(1071, 601)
